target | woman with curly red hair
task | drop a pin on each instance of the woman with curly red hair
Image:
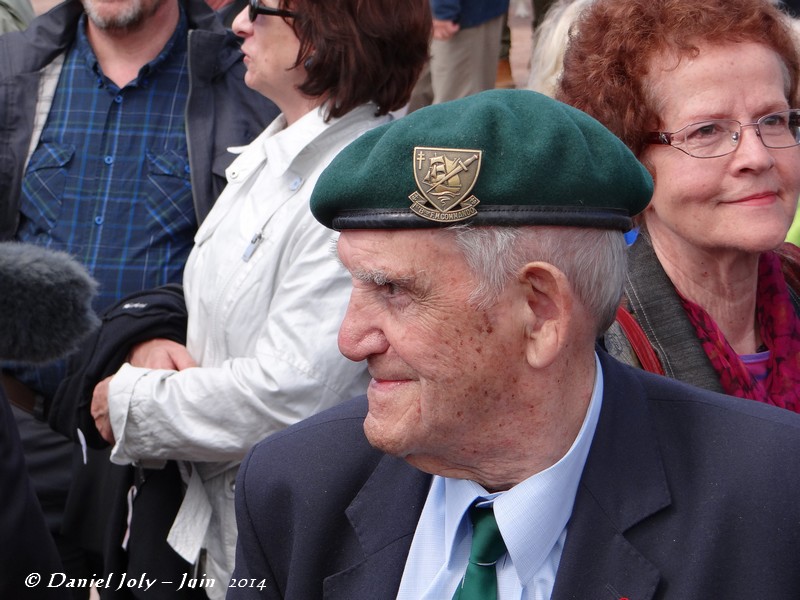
(705, 93)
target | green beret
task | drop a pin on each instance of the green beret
(501, 157)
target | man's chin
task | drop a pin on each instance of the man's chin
(383, 438)
(116, 23)
(121, 16)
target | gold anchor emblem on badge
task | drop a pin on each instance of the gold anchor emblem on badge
(445, 177)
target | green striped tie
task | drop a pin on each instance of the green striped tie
(480, 580)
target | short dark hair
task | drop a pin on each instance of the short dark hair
(359, 51)
(614, 42)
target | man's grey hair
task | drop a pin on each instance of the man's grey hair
(593, 260)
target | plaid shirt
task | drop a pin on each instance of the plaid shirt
(109, 180)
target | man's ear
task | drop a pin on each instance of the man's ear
(548, 312)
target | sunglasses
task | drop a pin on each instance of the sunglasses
(256, 8)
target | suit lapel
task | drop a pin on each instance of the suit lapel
(623, 484)
(384, 517)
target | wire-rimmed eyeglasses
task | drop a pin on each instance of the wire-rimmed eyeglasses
(718, 137)
(256, 8)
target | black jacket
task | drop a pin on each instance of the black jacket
(142, 316)
(27, 545)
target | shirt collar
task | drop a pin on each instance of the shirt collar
(279, 146)
(282, 144)
(533, 514)
(176, 43)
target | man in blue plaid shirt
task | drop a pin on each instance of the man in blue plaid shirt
(117, 116)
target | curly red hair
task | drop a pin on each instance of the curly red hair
(614, 41)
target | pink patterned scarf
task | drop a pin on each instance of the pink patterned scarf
(780, 332)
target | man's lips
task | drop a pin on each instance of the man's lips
(388, 380)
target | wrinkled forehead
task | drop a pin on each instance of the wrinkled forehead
(396, 250)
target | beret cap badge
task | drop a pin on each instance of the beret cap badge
(445, 177)
(540, 163)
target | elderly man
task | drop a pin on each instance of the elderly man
(499, 453)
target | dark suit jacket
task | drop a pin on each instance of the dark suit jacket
(686, 495)
(26, 546)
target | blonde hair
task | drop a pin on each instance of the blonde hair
(549, 42)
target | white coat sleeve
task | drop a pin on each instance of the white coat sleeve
(217, 413)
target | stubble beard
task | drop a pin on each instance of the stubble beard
(130, 16)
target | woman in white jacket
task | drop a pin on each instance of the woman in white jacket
(264, 294)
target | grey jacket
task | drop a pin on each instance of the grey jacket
(15, 15)
(220, 111)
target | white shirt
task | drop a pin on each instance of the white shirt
(532, 518)
(264, 330)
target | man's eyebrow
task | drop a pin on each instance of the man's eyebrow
(380, 277)
(376, 276)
